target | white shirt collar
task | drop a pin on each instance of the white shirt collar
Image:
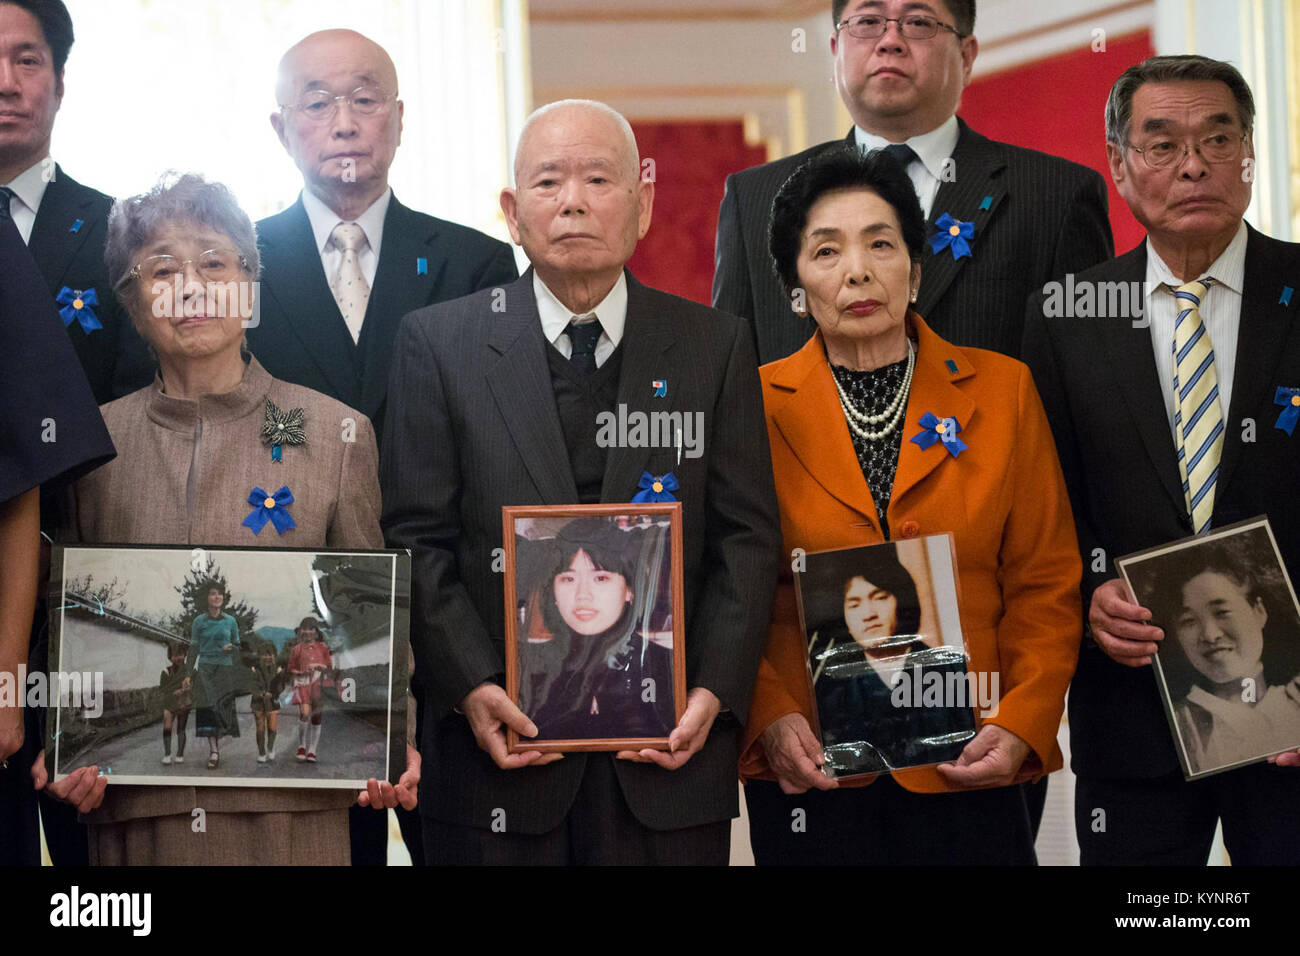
(932, 148)
(1228, 270)
(323, 219)
(29, 185)
(555, 315)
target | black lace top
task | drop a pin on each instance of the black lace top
(871, 392)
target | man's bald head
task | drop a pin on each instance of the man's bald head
(560, 110)
(306, 64)
(343, 145)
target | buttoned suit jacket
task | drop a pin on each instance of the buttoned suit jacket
(473, 426)
(67, 242)
(300, 335)
(1036, 217)
(1002, 499)
(1099, 385)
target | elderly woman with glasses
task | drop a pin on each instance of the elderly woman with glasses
(216, 452)
(880, 430)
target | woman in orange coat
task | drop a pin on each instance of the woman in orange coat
(846, 237)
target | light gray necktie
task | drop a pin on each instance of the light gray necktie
(349, 285)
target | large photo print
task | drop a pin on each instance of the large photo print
(1228, 668)
(594, 632)
(226, 667)
(885, 655)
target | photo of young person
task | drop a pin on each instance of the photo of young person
(1231, 673)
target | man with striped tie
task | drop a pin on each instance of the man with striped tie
(1168, 424)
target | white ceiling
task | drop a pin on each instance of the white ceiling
(593, 10)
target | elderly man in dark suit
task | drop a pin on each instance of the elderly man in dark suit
(1166, 398)
(1026, 217)
(63, 222)
(495, 401)
(344, 263)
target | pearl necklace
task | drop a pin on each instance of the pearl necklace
(893, 413)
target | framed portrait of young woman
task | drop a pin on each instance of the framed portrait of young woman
(1228, 669)
(594, 625)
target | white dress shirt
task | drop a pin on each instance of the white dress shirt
(933, 149)
(555, 316)
(29, 189)
(323, 220)
(1220, 312)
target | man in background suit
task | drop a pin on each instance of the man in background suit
(495, 401)
(343, 264)
(1188, 372)
(63, 222)
(900, 67)
(64, 225)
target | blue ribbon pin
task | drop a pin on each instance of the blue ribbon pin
(76, 225)
(661, 388)
(1289, 399)
(939, 430)
(954, 235)
(421, 266)
(655, 489)
(272, 508)
(78, 307)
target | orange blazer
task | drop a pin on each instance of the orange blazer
(1003, 500)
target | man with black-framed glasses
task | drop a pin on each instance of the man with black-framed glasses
(900, 67)
(343, 264)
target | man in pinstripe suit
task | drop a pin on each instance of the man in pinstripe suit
(900, 67)
(494, 400)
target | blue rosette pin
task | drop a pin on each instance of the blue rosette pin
(78, 305)
(943, 430)
(273, 508)
(952, 234)
(1289, 399)
(654, 488)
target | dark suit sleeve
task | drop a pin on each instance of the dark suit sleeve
(499, 270)
(420, 476)
(1085, 237)
(732, 286)
(1040, 354)
(742, 540)
(133, 367)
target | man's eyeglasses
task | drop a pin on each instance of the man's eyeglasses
(321, 105)
(215, 265)
(1215, 148)
(914, 26)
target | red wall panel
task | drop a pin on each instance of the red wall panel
(1058, 105)
(691, 163)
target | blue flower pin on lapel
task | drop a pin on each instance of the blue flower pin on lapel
(939, 430)
(78, 305)
(655, 489)
(281, 428)
(952, 234)
(1289, 399)
(273, 508)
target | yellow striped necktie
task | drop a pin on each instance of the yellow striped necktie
(1198, 417)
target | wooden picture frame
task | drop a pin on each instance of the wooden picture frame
(551, 673)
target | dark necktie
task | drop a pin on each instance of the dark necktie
(584, 336)
(901, 152)
(6, 194)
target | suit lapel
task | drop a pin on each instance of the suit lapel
(647, 355)
(1127, 356)
(53, 242)
(978, 164)
(1262, 332)
(400, 287)
(933, 380)
(520, 382)
(812, 424)
(306, 302)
